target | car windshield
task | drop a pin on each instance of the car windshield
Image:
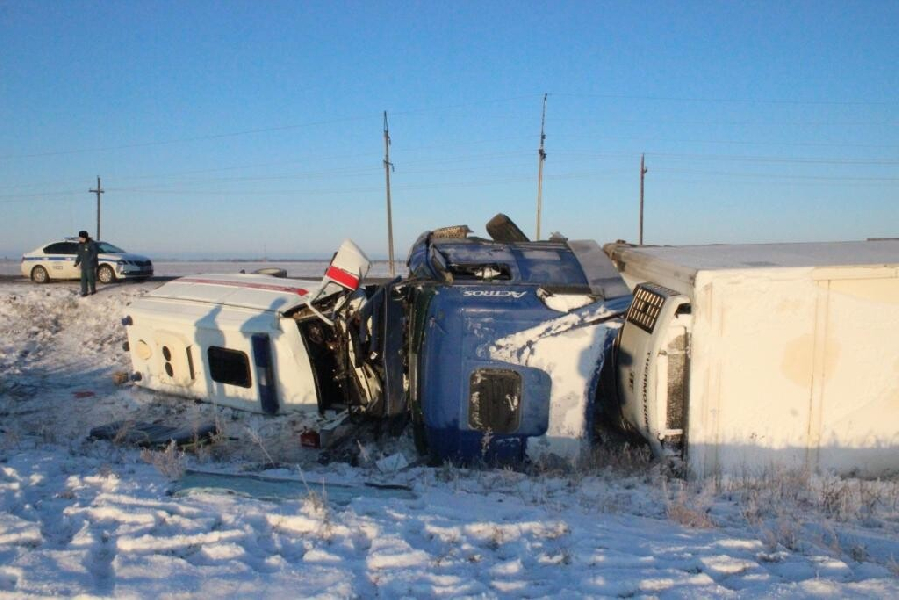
(104, 247)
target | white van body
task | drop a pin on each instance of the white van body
(741, 358)
(236, 339)
(178, 323)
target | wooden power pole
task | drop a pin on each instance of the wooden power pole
(387, 167)
(643, 172)
(98, 191)
(541, 154)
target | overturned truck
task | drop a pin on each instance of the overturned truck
(493, 348)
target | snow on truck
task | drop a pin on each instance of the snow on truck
(494, 348)
(507, 340)
(737, 358)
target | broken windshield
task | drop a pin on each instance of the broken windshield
(527, 262)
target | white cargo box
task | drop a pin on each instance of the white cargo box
(225, 338)
(254, 342)
(744, 357)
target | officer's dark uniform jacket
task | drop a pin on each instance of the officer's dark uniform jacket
(88, 255)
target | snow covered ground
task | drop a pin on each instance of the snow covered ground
(98, 518)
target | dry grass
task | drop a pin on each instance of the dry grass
(683, 514)
(122, 434)
(779, 491)
(169, 462)
(255, 435)
(625, 459)
(893, 566)
(485, 443)
(688, 506)
(214, 445)
(793, 509)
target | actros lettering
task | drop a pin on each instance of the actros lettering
(493, 294)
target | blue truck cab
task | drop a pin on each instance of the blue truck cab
(467, 297)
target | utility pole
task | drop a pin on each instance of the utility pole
(387, 167)
(643, 171)
(541, 159)
(98, 191)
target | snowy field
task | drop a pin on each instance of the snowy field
(99, 518)
(299, 268)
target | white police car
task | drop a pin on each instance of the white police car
(56, 260)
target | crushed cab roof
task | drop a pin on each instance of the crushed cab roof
(259, 292)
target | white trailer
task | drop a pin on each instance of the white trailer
(740, 358)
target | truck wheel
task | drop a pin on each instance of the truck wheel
(106, 274)
(40, 275)
(504, 230)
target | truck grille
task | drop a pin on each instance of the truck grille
(648, 301)
(494, 400)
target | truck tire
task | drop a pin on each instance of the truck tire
(503, 230)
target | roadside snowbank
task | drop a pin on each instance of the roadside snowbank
(170, 268)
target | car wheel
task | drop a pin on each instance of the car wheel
(40, 275)
(106, 274)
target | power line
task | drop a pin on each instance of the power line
(343, 172)
(42, 194)
(199, 138)
(790, 101)
(734, 142)
(777, 175)
(465, 105)
(520, 178)
(782, 184)
(273, 129)
(742, 122)
(740, 157)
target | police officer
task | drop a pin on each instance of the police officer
(88, 258)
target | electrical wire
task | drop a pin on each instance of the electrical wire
(787, 101)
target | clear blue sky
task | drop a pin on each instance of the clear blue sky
(248, 127)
